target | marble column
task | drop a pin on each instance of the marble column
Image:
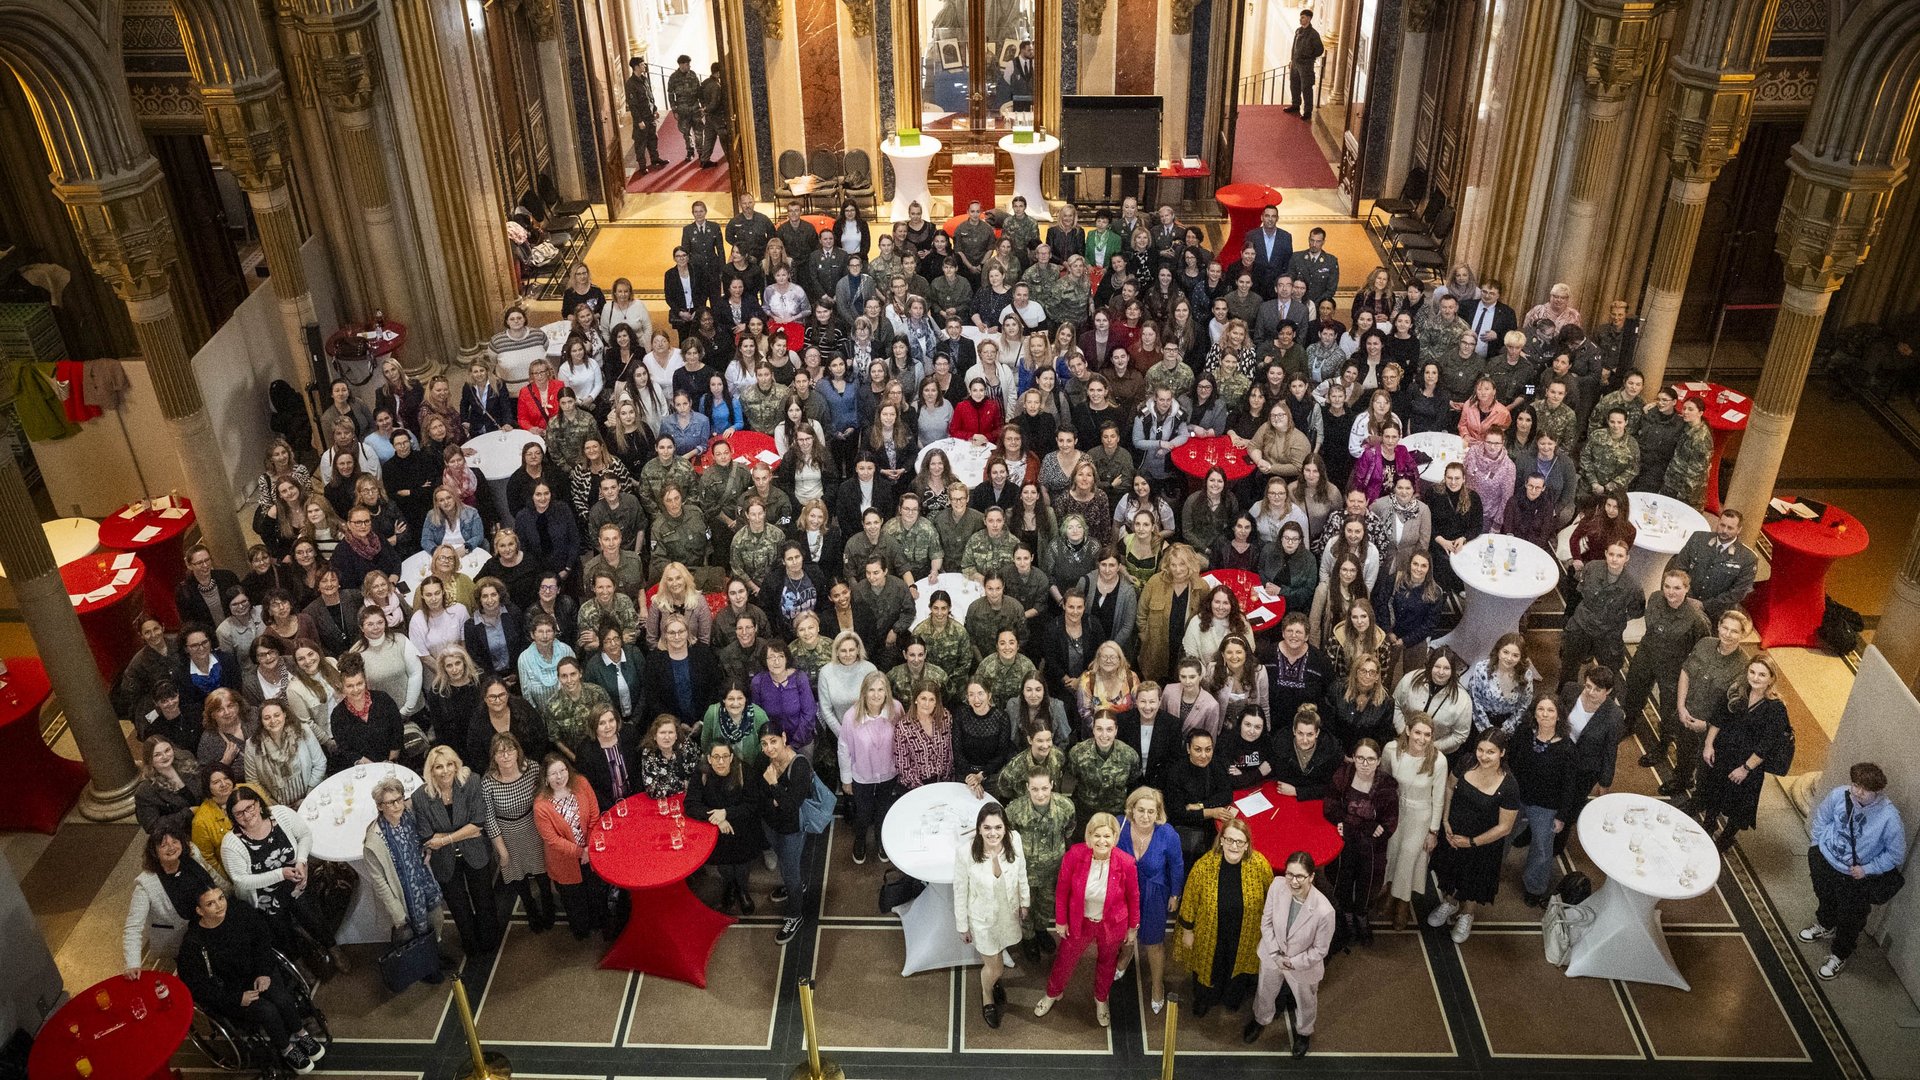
(62, 647)
(249, 126)
(125, 229)
(1898, 635)
(1830, 214)
(1610, 55)
(1710, 98)
(343, 49)
(562, 136)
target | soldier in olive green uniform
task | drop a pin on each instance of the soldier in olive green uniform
(919, 546)
(779, 504)
(680, 535)
(659, 472)
(1233, 383)
(1021, 229)
(951, 648)
(1611, 457)
(1674, 622)
(569, 714)
(955, 532)
(1609, 599)
(992, 613)
(1045, 822)
(718, 491)
(1627, 398)
(1102, 775)
(1687, 471)
(1027, 584)
(1112, 463)
(1170, 373)
(568, 432)
(973, 238)
(755, 547)
(991, 549)
(810, 657)
(764, 406)
(883, 601)
(1556, 418)
(870, 540)
(906, 676)
(1005, 669)
(949, 292)
(1439, 333)
(1011, 784)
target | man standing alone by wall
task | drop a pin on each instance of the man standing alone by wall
(713, 117)
(646, 116)
(1307, 48)
(683, 97)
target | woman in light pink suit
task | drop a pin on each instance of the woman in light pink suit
(1296, 930)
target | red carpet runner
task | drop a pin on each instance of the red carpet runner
(1276, 148)
(680, 174)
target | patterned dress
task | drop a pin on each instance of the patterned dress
(510, 819)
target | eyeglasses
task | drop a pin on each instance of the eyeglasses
(391, 802)
(1232, 842)
(1291, 876)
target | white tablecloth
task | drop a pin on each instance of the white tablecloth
(969, 462)
(497, 456)
(1497, 599)
(910, 174)
(1676, 860)
(1664, 525)
(962, 591)
(345, 840)
(1027, 158)
(921, 834)
(414, 570)
(1442, 447)
(69, 539)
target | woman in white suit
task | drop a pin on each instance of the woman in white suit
(990, 899)
(1293, 953)
(174, 876)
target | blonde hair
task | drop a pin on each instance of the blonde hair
(1141, 794)
(442, 753)
(1102, 820)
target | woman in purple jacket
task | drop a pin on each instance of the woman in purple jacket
(787, 696)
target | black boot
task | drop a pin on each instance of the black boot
(1658, 753)
(1031, 948)
(1300, 1044)
(746, 899)
(1251, 1033)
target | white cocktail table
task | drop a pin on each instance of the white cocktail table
(1442, 449)
(910, 174)
(497, 455)
(1497, 596)
(1027, 158)
(1646, 860)
(345, 840)
(969, 462)
(921, 834)
(961, 590)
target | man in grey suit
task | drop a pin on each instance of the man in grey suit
(1722, 568)
(1546, 461)
(1406, 520)
(1282, 308)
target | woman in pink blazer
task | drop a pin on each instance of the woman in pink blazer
(1097, 903)
(1293, 953)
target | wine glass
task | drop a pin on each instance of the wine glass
(621, 808)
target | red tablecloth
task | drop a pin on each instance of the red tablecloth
(1293, 825)
(1787, 607)
(108, 621)
(670, 933)
(747, 446)
(953, 222)
(1243, 203)
(715, 600)
(379, 349)
(41, 785)
(1726, 413)
(1195, 456)
(1262, 614)
(1177, 171)
(116, 1044)
(163, 552)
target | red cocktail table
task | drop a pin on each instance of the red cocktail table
(1292, 825)
(133, 1038)
(1261, 614)
(1787, 607)
(1195, 456)
(750, 448)
(106, 598)
(42, 786)
(161, 551)
(1243, 203)
(670, 932)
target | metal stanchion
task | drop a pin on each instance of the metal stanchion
(486, 1066)
(1169, 1036)
(815, 1067)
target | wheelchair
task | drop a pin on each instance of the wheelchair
(233, 1047)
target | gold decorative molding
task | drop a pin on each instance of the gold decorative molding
(249, 130)
(860, 17)
(1092, 14)
(543, 18)
(1829, 218)
(344, 57)
(769, 17)
(1615, 40)
(125, 230)
(172, 106)
(1183, 16)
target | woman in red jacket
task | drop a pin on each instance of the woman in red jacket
(565, 813)
(978, 418)
(540, 398)
(1097, 903)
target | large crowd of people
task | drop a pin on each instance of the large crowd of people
(1108, 701)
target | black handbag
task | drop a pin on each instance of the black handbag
(896, 888)
(1876, 888)
(407, 963)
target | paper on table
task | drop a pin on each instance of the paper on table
(124, 577)
(132, 511)
(146, 534)
(1696, 387)
(1253, 802)
(76, 599)
(123, 560)
(1733, 417)
(163, 502)
(100, 593)
(174, 512)
(766, 457)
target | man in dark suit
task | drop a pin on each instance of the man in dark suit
(1283, 308)
(201, 596)
(1722, 568)
(703, 241)
(686, 293)
(1272, 250)
(1597, 724)
(956, 347)
(1489, 318)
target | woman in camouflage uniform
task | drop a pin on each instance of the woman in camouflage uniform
(948, 644)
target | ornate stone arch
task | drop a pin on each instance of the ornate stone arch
(67, 56)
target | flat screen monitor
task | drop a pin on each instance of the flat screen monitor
(1110, 131)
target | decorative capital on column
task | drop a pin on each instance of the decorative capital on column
(1829, 218)
(860, 17)
(342, 49)
(250, 129)
(1183, 15)
(769, 16)
(124, 228)
(543, 17)
(1614, 39)
(1706, 118)
(1092, 14)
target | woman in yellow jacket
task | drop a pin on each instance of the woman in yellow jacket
(1220, 919)
(1176, 582)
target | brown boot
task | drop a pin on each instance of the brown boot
(1401, 911)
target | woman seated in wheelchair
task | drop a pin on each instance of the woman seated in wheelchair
(227, 960)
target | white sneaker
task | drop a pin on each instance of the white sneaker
(1439, 916)
(1462, 927)
(1815, 933)
(1832, 967)
(772, 862)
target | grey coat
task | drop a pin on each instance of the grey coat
(468, 808)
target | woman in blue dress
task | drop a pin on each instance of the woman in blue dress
(1155, 848)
